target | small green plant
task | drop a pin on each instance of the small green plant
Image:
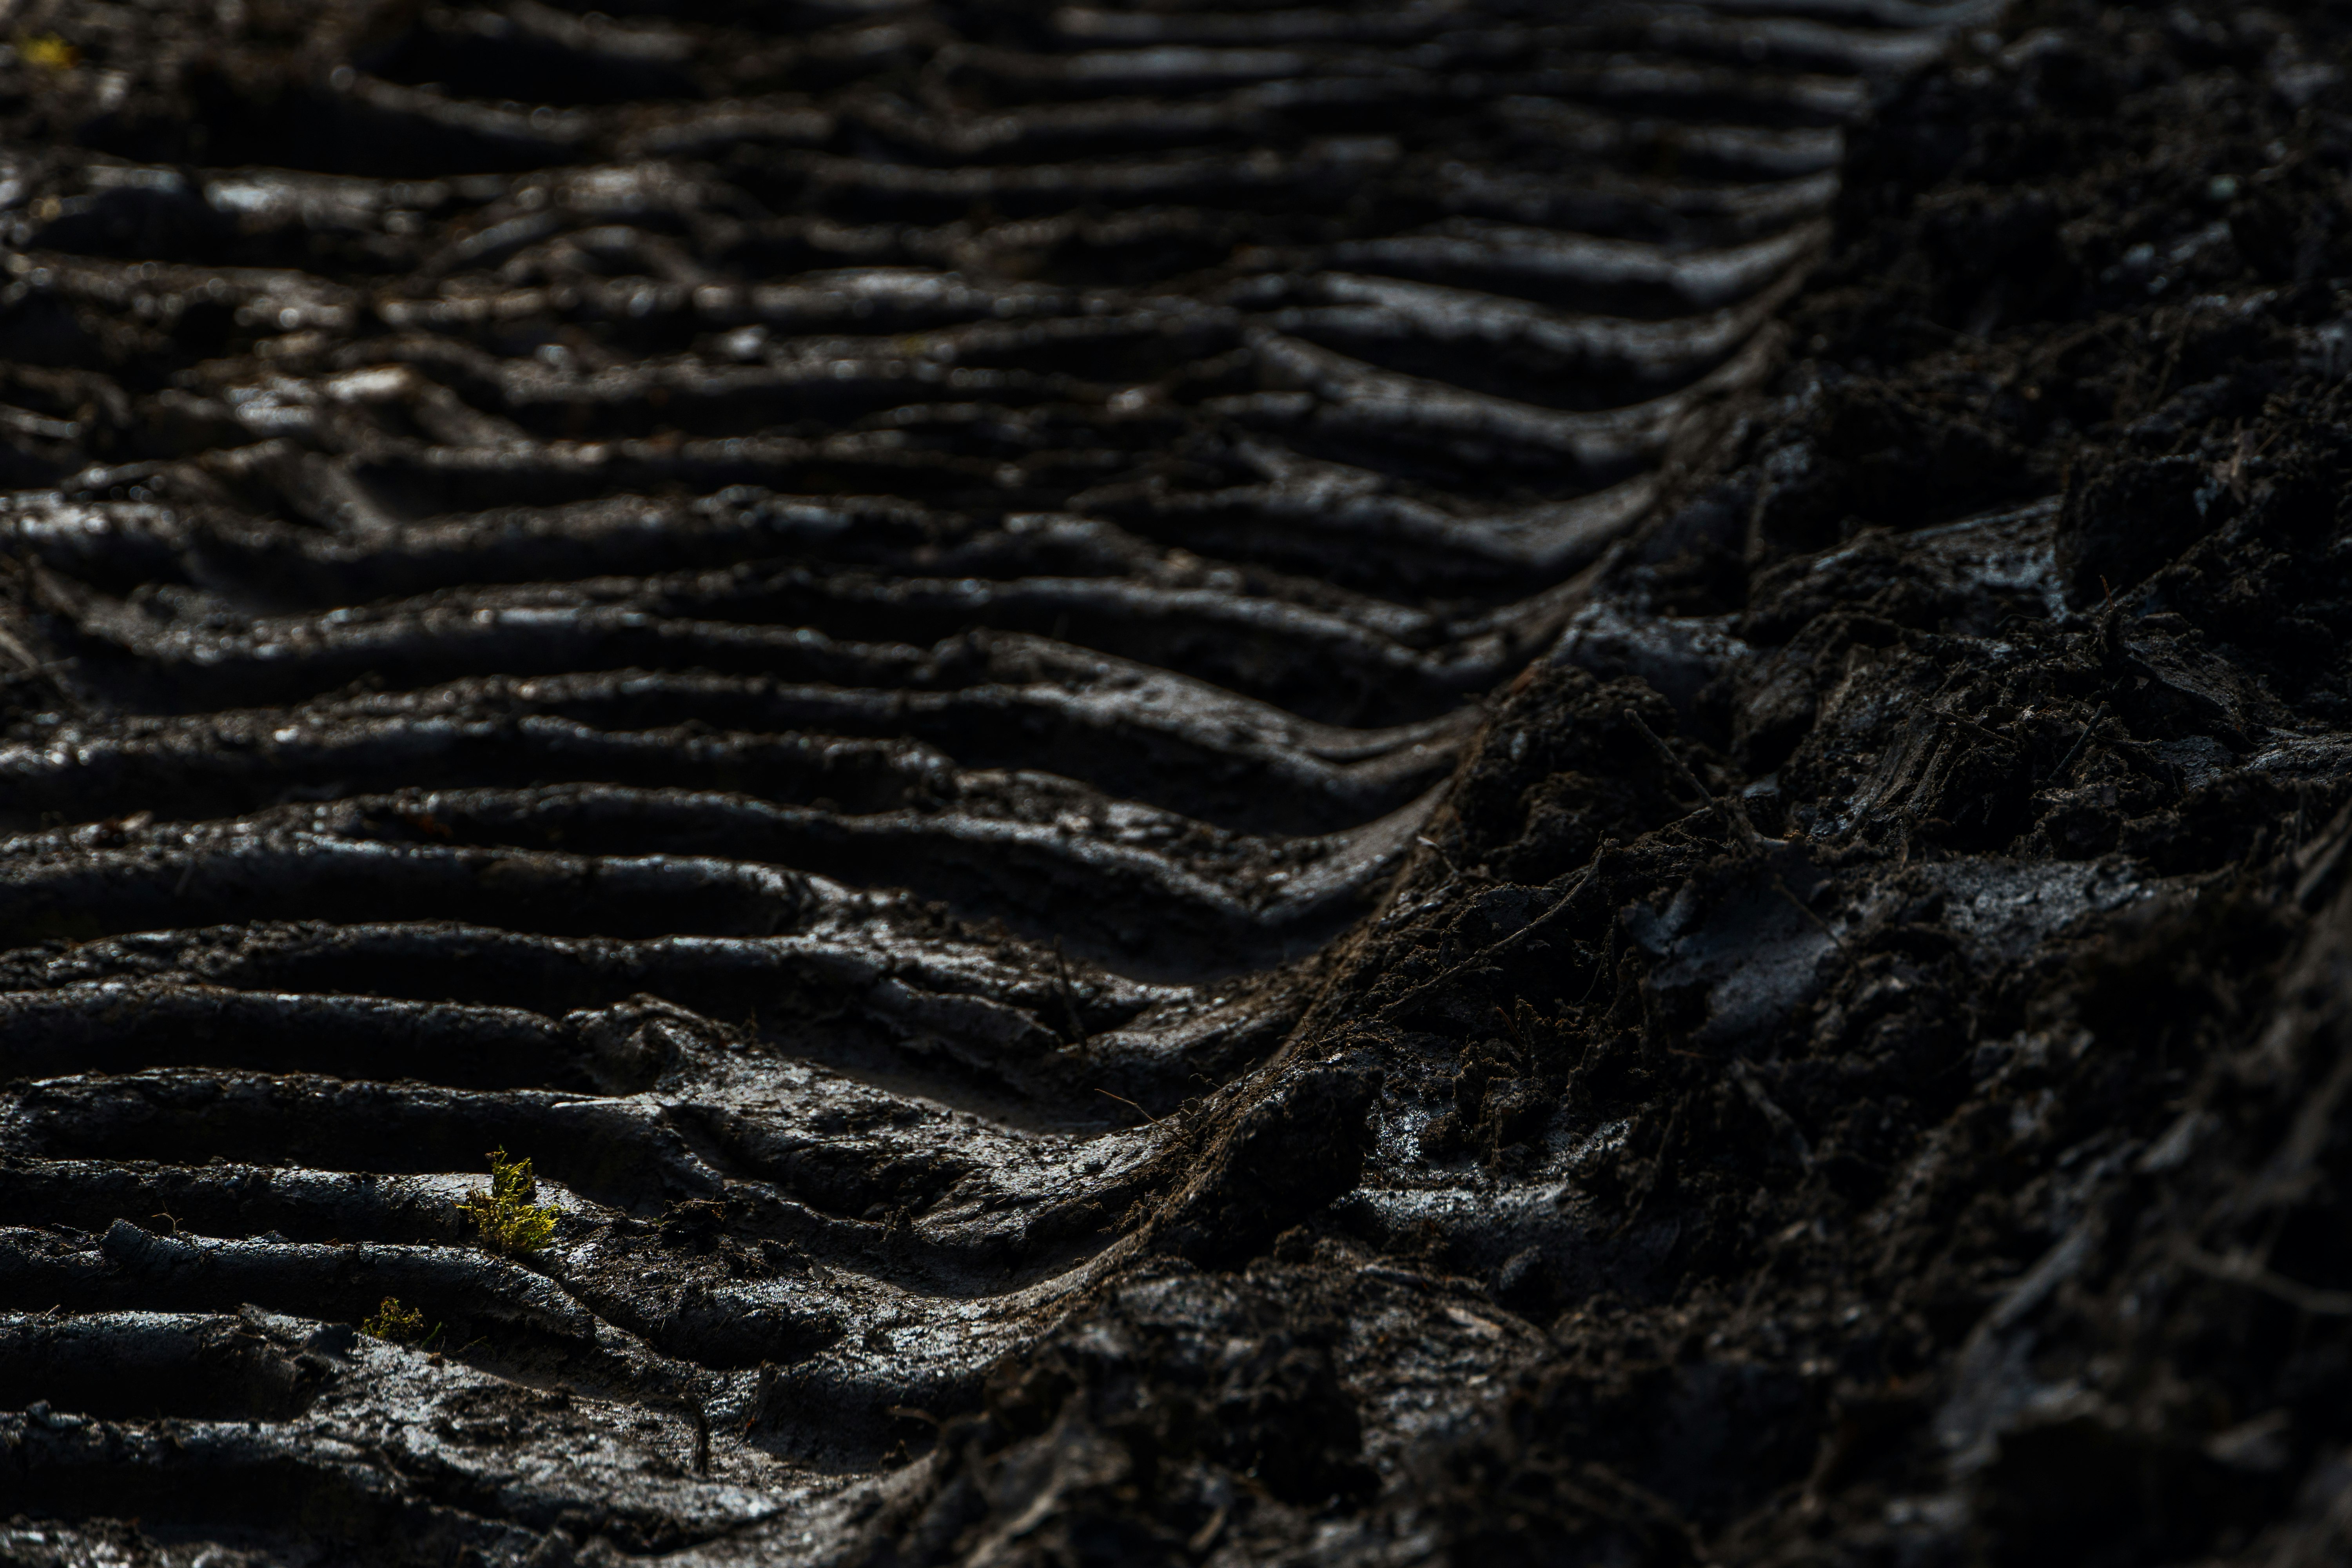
(394, 1324)
(49, 52)
(507, 1216)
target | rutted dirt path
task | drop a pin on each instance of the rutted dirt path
(1211, 785)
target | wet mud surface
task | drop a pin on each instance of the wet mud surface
(1459, 784)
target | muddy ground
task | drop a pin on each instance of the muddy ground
(1929, 1153)
(1849, 1066)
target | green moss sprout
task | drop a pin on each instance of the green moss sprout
(49, 52)
(508, 1217)
(395, 1324)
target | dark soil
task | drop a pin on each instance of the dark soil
(853, 633)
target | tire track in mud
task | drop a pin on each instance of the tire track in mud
(808, 615)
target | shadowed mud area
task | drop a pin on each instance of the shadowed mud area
(1459, 782)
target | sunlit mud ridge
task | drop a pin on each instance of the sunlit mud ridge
(1465, 781)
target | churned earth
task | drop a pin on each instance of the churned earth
(1477, 784)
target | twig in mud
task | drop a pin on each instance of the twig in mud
(1781, 1121)
(16, 650)
(1811, 913)
(1681, 824)
(1964, 723)
(2315, 860)
(2304, 1298)
(1733, 817)
(1124, 1100)
(1601, 963)
(2066, 763)
(1069, 997)
(1434, 848)
(1206, 1536)
(1487, 954)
